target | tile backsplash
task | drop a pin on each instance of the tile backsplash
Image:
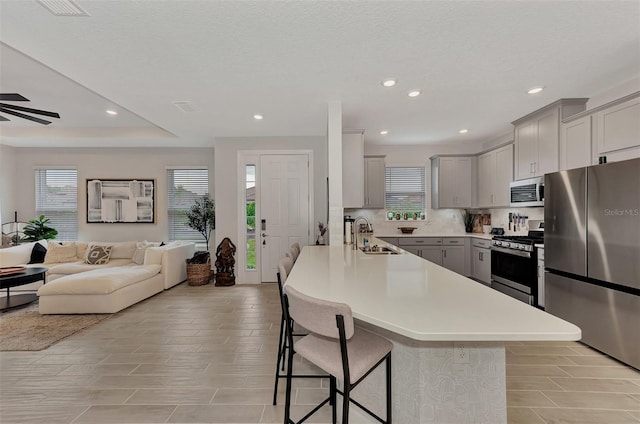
(444, 221)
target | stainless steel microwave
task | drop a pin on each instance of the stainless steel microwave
(527, 192)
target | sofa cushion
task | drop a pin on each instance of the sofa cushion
(138, 255)
(98, 255)
(120, 250)
(59, 253)
(18, 255)
(99, 281)
(81, 266)
(81, 250)
(37, 254)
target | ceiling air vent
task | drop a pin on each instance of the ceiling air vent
(63, 7)
(186, 107)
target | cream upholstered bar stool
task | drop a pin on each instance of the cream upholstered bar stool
(284, 268)
(336, 346)
(296, 246)
(292, 253)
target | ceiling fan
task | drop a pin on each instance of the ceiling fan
(17, 110)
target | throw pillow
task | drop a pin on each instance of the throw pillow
(60, 253)
(98, 255)
(37, 254)
(81, 250)
(138, 255)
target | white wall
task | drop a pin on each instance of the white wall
(104, 163)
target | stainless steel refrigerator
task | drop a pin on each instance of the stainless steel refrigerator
(592, 254)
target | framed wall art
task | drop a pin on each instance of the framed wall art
(121, 201)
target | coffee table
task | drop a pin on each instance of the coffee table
(29, 275)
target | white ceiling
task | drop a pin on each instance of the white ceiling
(474, 62)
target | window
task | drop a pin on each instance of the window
(57, 200)
(405, 192)
(183, 187)
(250, 212)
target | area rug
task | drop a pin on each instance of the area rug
(26, 329)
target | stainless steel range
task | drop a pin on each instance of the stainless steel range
(514, 265)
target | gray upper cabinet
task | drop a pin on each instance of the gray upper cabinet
(617, 127)
(611, 130)
(451, 182)
(495, 172)
(374, 173)
(353, 168)
(537, 138)
(575, 143)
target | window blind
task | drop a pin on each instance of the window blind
(57, 199)
(405, 189)
(184, 186)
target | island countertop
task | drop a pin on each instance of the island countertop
(420, 300)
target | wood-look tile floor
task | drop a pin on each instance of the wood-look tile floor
(207, 355)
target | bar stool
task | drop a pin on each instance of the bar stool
(296, 246)
(292, 253)
(284, 268)
(336, 346)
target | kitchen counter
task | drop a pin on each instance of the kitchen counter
(419, 299)
(426, 311)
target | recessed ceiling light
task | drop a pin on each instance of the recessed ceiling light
(257, 117)
(389, 82)
(463, 131)
(414, 93)
(112, 112)
(384, 132)
(535, 90)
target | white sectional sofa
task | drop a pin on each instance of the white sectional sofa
(77, 287)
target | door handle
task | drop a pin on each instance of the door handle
(445, 253)
(264, 235)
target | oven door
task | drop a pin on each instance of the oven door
(514, 272)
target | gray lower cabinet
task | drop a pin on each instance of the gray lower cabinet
(448, 252)
(481, 260)
(453, 259)
(432, 254)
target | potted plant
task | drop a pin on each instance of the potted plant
(38, 229)
(202, 217)
(468, 219)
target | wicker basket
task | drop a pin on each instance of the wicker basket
(199, 274)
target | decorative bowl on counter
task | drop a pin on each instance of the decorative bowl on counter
(407, 230)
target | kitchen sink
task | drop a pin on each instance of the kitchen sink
(379, 250)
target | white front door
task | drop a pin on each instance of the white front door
(284, 208)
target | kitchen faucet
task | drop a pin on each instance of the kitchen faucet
(356, 231)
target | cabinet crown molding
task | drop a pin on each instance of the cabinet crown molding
(558, 103)
(601, 107)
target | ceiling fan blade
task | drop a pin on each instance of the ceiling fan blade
(30, 110)
(12, 97)
(2, 118)
(22, 115)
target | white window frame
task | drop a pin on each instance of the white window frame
(64, 216)
(186, 233)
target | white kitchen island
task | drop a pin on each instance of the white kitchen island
(425, 309)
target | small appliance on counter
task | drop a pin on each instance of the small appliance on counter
(348, 229)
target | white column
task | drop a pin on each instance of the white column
(334, 171)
